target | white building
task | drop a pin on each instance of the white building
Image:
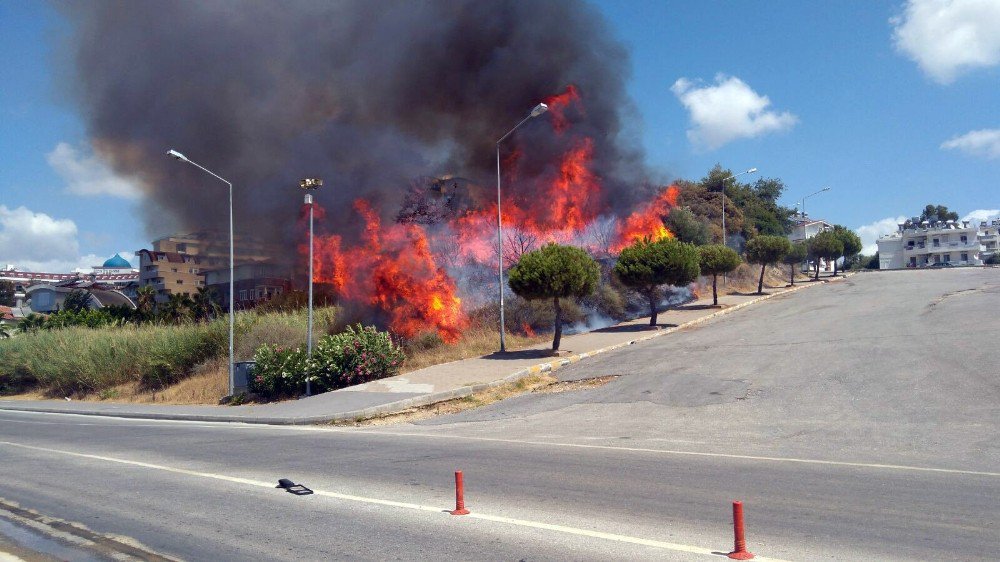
(927, 243)
(804, 228)
(989, 237)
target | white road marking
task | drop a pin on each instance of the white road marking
(389, 503)
(355, 431)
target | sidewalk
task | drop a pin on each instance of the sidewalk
(425, 386)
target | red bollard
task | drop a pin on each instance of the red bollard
(740, 551)
(459, 495)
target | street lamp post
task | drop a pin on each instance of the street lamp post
(310, 184)
(232, 318)
(725, 238)
(535, 112)
(802, 207)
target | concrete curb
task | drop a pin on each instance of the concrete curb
(417, 401)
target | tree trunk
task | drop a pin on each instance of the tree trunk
(651, 296)
(558, 331)
(835, 267)
(760, 284)
(715, 292)
(817, 269)
(791, 273)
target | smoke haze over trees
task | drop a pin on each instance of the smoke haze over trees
(367, 95)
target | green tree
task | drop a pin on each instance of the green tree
(205, 305)
(32, 323)
(938, 213)
(797, 254)
(716, 259)
(766, 249)
(646, 265)
(7, 293)
(145, 301)
(825, 245)
(177, 309)
(687, 227)
(77, 301)
(554, 272)
(850, 241)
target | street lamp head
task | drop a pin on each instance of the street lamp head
(176, 155)
(752, 171)
(539, 109)
(310, 183)
(825, 189)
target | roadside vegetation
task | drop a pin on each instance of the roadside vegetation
(177, 350)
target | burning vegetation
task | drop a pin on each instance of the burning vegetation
(406, 271)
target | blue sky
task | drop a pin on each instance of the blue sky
(892, 104)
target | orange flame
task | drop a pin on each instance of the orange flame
(647, 222)
(394, 271)
(558, 105)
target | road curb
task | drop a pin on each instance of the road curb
(418, 401)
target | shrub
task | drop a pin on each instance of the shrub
(356, 355)
(278, 371)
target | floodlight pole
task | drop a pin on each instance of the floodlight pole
(310, 184)
(535, 112)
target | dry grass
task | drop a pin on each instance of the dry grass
(476, 342)
(544, 383)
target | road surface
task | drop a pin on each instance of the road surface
(856, 421)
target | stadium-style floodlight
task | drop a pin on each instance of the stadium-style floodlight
(535, 112)
(232, 318)
(310, 185)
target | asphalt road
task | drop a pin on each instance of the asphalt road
(857, 421)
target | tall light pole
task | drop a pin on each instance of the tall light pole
(310, 184)
(232, 318)
(725, 238)
(535, 112)
(802, 207)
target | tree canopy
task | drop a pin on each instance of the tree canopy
(716, 259)
(849, 240)
(797, 253)
(646, 265)
(6, 293)
(687, 227)
(825, 245)
(764, 250)
(554, 272)
(938, 213)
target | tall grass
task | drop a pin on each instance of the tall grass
(84, 359)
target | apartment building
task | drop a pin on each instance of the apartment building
(989, 237)
(924, 244)
(170, 272)
(253, 283)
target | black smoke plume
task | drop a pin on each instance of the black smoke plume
(365, 94)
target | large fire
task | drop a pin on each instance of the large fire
(399, 269)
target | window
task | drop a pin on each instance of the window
(947, 258)
(243, 295)
(937, 242)
(180, 281)
(173, 270)
(965, 257)
(965, 239)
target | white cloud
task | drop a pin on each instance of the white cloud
(984, 142)
(947, 37)
(727, 111)
(869, 233)
(980, 215)
(37, 242)
(86, 173)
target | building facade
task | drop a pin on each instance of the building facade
(170, 273)
(926, 244)
(253, 283)
(45, 298)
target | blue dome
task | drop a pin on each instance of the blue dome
(117, 262)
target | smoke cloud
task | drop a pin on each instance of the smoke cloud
(367, 95)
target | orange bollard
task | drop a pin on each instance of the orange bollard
(740, 551)
(459, 495)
